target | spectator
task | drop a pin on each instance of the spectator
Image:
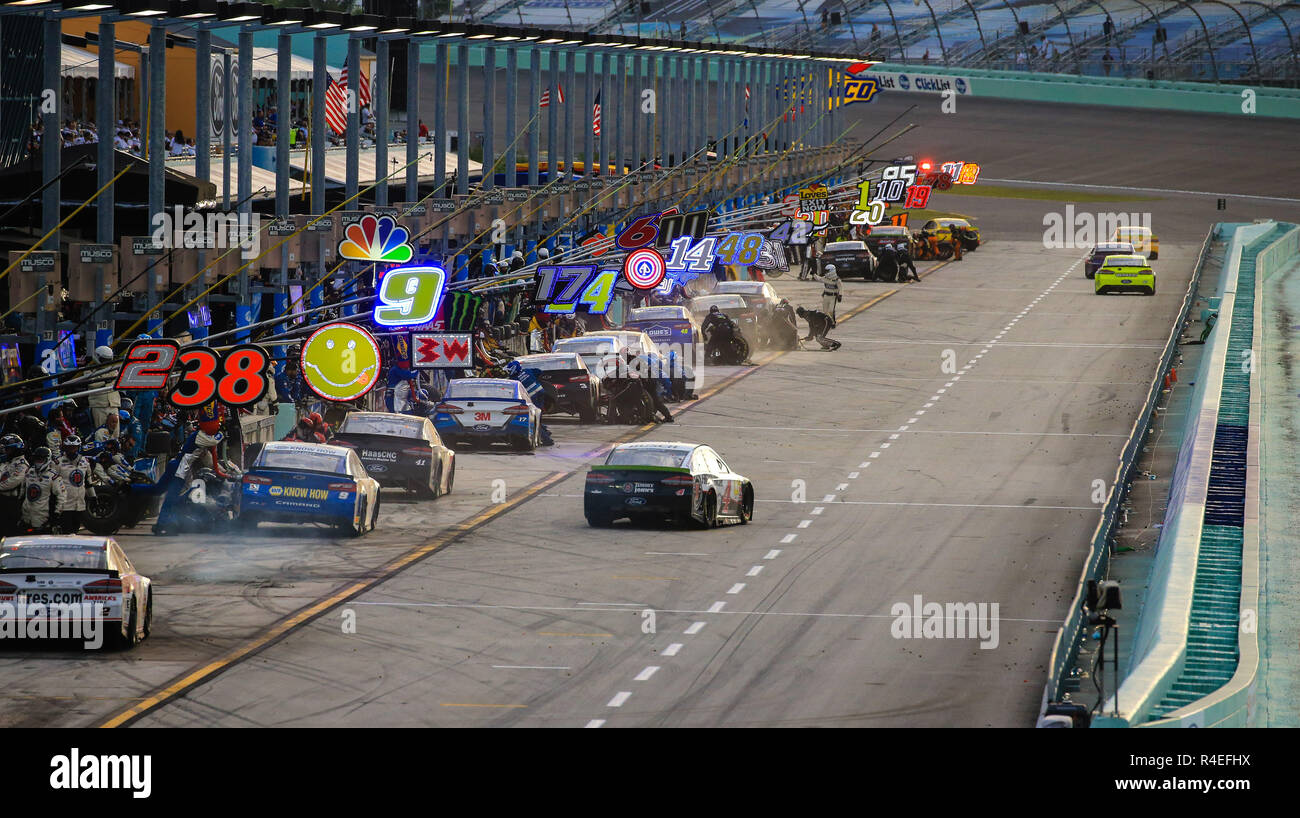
(102, 404)
(1106, 60)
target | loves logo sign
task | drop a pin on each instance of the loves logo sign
(442, 350)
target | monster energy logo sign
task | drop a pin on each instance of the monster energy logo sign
(462, 309)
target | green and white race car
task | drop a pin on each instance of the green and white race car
(1119, 274)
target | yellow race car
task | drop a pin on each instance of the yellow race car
(1142, 239)
(1118, 274)
(943, 228)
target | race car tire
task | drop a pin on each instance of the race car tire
(451, 477)
(1087, 274)
(1154, 255)
(747, 507)
(148, 615)
(104, 513)
(247, 522)
(599, 519)
(587, 413)
(710, 511)
(374, 515)
(125, 641)
(359, 528)
(945, 251)
(1151, 290)
(522, 443)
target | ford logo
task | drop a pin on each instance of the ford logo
(636, 501)
(903, 82)
(961, 85)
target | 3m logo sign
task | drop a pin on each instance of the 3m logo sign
(434, 350)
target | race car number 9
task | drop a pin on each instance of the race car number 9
(236, 378)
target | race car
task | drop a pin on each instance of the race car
(1098, 254)
(1119, 274)
(688, 482)
(592, 347)
(488, 410)
(403, 451)
(309, 482)
(851, 258)
(757, 294)
(881, 233)
(570, 386)
(82, 571)
(665, 325)
(1143, 240)
(732, 305)
(942, 229)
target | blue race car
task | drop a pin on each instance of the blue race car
(664, 324)
(488, 410)
(310, 482)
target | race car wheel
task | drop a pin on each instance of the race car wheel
(945, 251)
(248, 522)
(599, 519)
(522, 443)
(148, 615)
(1151, 290)
(358, 528)
(747, 507)
(710, 511)
(1155, 255)
(587, 414)
(451, 477)
(127, 640)
(374, 516)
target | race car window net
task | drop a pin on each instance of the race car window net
(648, 457)
(480, 390)
(586, 347)
(726, 302)
(396, 427)
(302, 461)
(37, 556)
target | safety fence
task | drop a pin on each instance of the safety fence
(1062, 670)
(1193, 666)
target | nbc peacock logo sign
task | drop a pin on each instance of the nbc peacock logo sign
(376, 240)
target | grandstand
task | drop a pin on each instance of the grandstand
(1206, 40)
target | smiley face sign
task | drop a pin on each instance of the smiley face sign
(340, 362)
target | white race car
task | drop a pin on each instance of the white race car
(82, 571)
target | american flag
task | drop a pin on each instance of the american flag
(546, 96)
(363, 93)
(595, 116)
(336, 106)
(746, 93)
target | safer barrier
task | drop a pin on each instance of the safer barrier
(1070, 636)
(1193, 666)
(1198, 97)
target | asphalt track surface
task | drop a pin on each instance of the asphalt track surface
(966, 486)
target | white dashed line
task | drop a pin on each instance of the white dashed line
(853, 475)
(773, 554)
(695, 628)
(619, 698)
(788, 538)
(595, 722)
(645, 675)
(737, 588)
(818, 510)
(804, 523)
(842, 487)
(755, 571)
(672, 649)
(717, 607)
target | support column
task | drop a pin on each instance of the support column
(353, 136)
(106, 116)
(489, 110)
(462, 118)
(440, 94)
(283, 123)
(413, 120)
(318, 126)
(245, 120)
(157, 149)
(379, 108)
(535, 124)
